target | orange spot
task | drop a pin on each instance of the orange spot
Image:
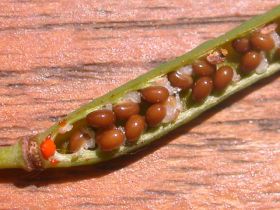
(48, 148)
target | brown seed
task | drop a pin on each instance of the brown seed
(109, 139)
(262, 42)
(134, 127)
(77, 140)
(203, 68)
(155, 94)
(250, 61)
(124, 110)
(223, 77)
(101, 118)
(179, 80)
(202, 88)
(155, 114)
(241, 45)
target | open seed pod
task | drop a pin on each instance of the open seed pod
(155, 103)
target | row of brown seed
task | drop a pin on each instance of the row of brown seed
(207, 79)
(204, 79)
(109, 137)
(250, 49)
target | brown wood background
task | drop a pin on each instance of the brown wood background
(56, 55)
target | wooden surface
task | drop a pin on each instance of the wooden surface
(56, 55)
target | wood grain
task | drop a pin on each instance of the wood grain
(56, 55)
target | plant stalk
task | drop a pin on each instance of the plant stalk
(11, 156)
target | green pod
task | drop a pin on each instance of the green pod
(26, 153)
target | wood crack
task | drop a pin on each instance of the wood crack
(118, 25)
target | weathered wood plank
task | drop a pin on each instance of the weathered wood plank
(56, 55)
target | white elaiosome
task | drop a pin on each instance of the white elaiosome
(108, 106)
(276, 39)
(236, 77)
(63, 129)
(163, 81)
(173, 107)
(90, 143)
(60, 157)
(121, 128)
(132, 96)
(262, 67)
(186, 70)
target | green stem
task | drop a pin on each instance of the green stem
(11, 156)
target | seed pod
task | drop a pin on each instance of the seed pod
(110, 139)
(223, 77)
(250, 61)
(77, 140)
(241, 45)
(155, 94)
(101, 118)
(40, 152)
(202, 88)
(202, 68)
(179, 80)
(134, 127)
(262, 42)
(124, 110)
(155, 114)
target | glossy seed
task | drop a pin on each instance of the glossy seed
(241, 45)
(110, 139)
(155, 114)
(202, 88)
(77, 140)
(155, 94)
(262, 42)
(250, 61)
(134, 127)
(179, 80)
(101, 118)
(124, 110)
(202, 68)
(223, 77)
